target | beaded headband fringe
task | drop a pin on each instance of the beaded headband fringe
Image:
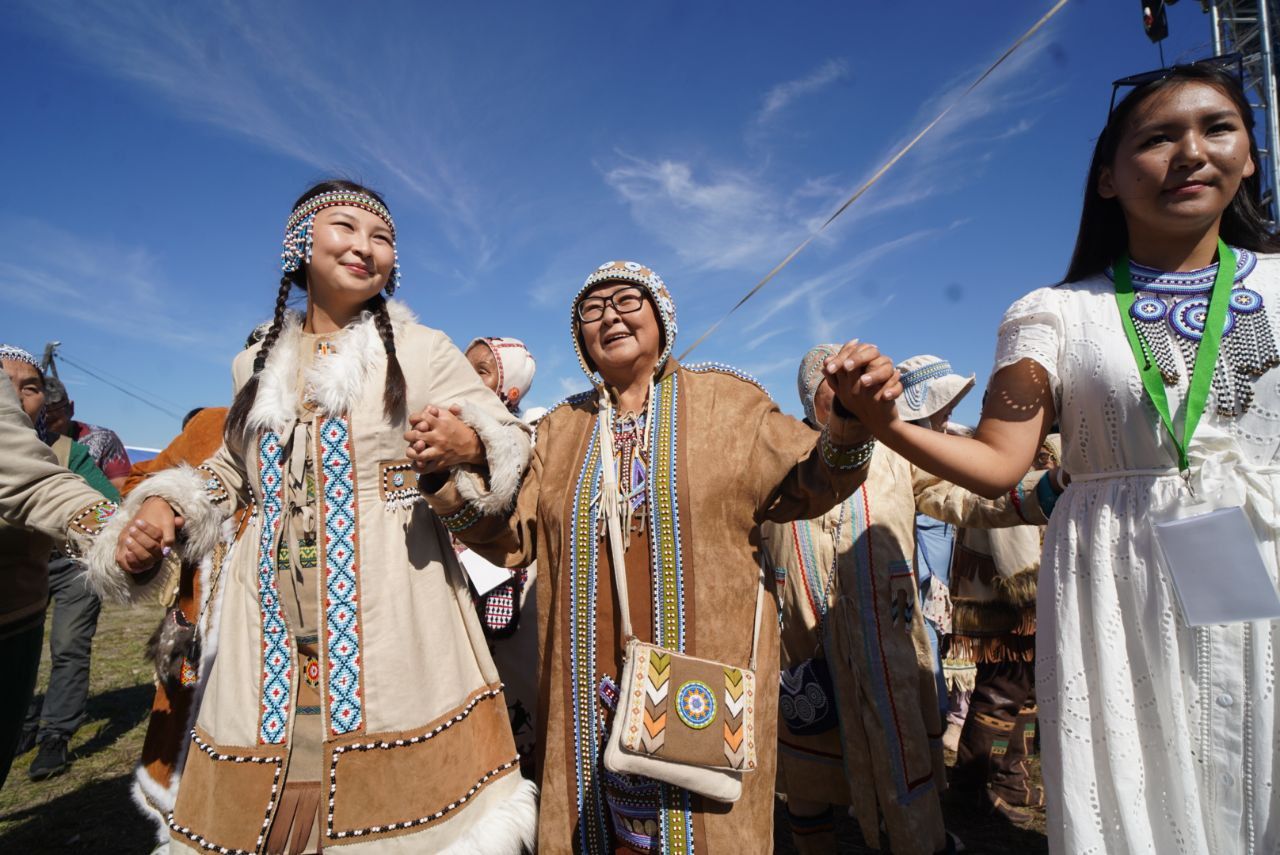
(9, 351)
(298, 229)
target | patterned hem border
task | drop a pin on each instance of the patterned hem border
(208, 845)
(379, 744)
(850, 457)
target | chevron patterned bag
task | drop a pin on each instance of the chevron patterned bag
(682, 720)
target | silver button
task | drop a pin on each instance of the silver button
(1227, 780)
(1225, 700)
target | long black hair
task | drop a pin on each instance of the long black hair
(393, 393)
(1104, 234)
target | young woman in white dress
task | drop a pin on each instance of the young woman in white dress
(1158, 736)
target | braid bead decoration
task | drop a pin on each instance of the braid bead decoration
(298, 229)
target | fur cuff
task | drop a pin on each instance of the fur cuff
(153, 801)
(506, 448)
(184, 488)
(509, 828)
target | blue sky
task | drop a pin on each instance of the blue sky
(153, 151)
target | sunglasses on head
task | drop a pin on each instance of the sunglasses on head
(1232, 62)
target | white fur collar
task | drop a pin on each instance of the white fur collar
(336, 383)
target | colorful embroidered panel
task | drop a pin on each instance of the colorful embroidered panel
(277, 655)
(668, 575)
(92, 519)
(593, 832)
(341, 573)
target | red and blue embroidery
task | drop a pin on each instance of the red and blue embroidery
(277, 655)
(341, 566)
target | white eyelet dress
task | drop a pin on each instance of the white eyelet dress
(1157, 737)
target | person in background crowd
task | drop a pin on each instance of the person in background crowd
(994, 626)
(25, 567)
(107, 449)
(859, 714)
(930, 393)
(509, 611)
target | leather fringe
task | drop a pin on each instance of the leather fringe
(295, 820)
(989, 650)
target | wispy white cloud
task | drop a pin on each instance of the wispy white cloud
(100, 284)
(724, 220)
(253, 72)
(778, 97)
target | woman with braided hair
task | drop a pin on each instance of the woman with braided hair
(353, 701)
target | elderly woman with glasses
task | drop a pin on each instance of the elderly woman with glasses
(701, 458)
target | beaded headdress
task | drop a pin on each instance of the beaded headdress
(810, 377)
(297, 231)
(17, 354)
(627, 271)
(9, 351)
(515, 365)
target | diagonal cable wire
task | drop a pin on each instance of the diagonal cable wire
(117, 386)
(867, 185)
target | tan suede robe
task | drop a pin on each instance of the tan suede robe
(885, 758)
(739, 462)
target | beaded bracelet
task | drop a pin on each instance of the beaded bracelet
(852, 457)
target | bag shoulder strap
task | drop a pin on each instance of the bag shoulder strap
(614, 533)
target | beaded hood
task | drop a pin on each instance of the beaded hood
(626, 271)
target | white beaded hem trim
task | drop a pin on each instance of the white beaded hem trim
(400, 743)
(266, 821)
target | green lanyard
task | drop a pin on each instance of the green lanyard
(1206, 357)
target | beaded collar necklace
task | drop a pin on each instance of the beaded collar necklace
(1170, 313)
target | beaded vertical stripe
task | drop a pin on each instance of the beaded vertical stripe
(277, 655)
(593, 832)
(668, 576)
(341, 574)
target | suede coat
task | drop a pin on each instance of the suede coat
(725, 460)
(417, 752)
(885, 756)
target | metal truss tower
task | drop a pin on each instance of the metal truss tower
(1252, 29)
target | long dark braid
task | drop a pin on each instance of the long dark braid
(393, 390)
(239, 413)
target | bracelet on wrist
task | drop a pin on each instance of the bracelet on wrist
(846, 457)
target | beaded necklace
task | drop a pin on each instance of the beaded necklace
(1169, 315)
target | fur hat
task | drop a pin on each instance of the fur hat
(515, 366)
(651, 282)
(929, 386)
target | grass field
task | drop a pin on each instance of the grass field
(88, 810)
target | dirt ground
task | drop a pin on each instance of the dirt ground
(88, 810)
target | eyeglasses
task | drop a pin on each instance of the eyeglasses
(624, 301)
(1232, 62)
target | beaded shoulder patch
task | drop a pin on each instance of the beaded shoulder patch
(721, 368)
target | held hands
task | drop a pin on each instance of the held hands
(439, 439)
(149, 537)
(866, 384)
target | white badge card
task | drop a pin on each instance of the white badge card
(1217, 570)
(484, 575)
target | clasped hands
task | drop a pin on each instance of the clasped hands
(439, 439)
(866, 384)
